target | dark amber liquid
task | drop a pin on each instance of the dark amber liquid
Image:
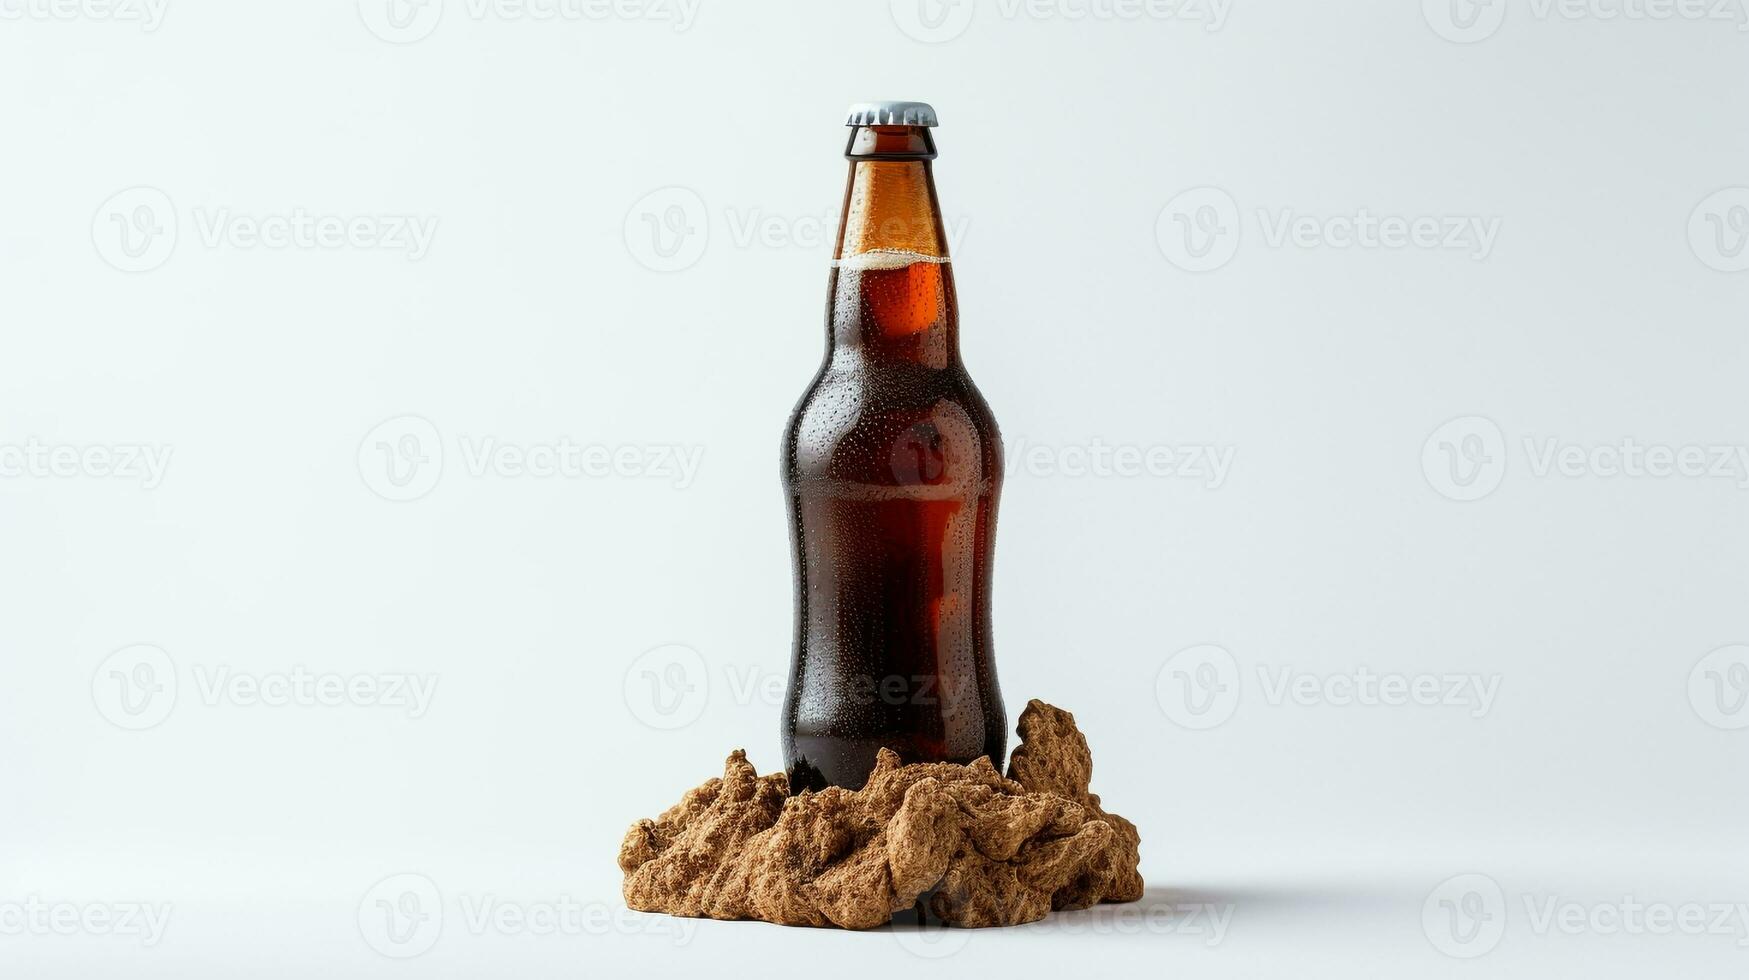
(892, 466)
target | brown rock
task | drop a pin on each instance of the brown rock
(976, 848)
(1053, 757)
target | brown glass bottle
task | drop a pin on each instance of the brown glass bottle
(892, 464)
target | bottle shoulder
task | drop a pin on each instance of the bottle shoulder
(893, 427)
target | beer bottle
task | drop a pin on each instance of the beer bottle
(892, 464)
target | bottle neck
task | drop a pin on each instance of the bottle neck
(892, 285)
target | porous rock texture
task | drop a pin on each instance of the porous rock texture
(976, 848)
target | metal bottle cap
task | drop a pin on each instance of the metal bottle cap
(890, 114)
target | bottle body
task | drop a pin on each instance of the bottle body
(892, 466)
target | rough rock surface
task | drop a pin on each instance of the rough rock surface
(1053, 757)
(976, 848)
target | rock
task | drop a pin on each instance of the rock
(975, 848)
(1053, 757)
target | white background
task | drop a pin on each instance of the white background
(628, 217)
